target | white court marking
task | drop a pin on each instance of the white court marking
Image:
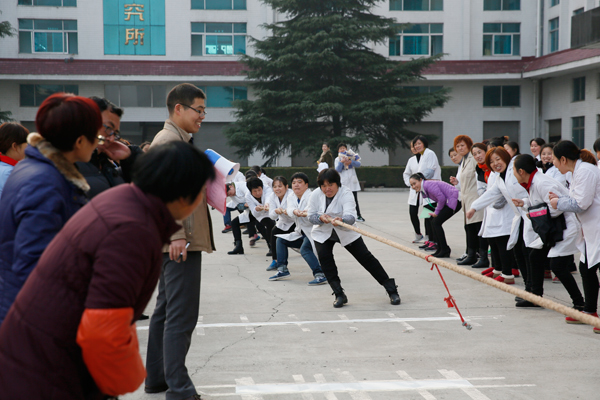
(248, 324)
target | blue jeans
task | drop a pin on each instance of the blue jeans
(227, 216)
(305, 250)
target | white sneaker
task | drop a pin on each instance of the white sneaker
(419, 238)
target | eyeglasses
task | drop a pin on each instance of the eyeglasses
(111, 132)
(101, 140)
(200, 113)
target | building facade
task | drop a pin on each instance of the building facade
(521, 68)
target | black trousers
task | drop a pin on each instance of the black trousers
(521, 256)
(501, 258)
(359, 251)
(357, 206)
(472, 236)
(428, 225)
(413, 211)
(273, 240)
(438, 230)
(589, 278)
(264, 227)
(560, 266)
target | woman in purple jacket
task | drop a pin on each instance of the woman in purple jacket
(446, 197)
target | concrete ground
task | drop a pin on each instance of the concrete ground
(258, 339)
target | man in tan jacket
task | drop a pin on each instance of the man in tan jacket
(177, 306)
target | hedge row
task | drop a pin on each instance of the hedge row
(389, 177)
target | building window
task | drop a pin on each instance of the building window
(416, 5)
(34, 95)
(218, 4)
(554, 2)
(136, 95)
(497, 5)
(419, 39)
(579, 11)
(51, 3)
(218, 38)
(579, 131)
(223, 96)
(48, 36)
(501, 39)
(579, 89)
(502, 96)
(553, 32)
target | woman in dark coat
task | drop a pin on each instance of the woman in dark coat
(70, 333)
(45, 189)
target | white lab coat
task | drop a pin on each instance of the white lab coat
(412, 166)
(539, 191)
(303, 225)
(342, 204)
(555, 174)
(266, 180)
(348, 177)
(241, 191)
(430, 166)
(284, 222)
(239, 177)
(585, 190)
(253, 203)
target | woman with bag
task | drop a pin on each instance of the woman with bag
(584, 200)
(559, 234)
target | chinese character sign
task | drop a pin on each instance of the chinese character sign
(134, 27)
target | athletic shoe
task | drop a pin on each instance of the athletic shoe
(272, 266)
(432, 247)
(516, 272)
(596, 330)
(555, 280)
(574, 321)
(463, 257)
(508, 281)
(487, 271)
(227, 229)
(418, 238)
(525, 303)
(360, 219)
(253, 241)
(425, 245)
(547, 275)
(319, 280)
(280, 275)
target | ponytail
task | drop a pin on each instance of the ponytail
(526, 162)
(567, 149)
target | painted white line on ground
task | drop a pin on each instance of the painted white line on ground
(199, 328)
(246, 321)
(304, 329)
(472, 392)
(424, 393)
(470, 320)
(346, 376)
(300, 379)
(247, 382)
(320, 378)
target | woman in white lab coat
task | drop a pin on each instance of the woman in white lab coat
(277, 207)
(331, 201)
(584, 200)
(539, 187)
(414, 199)
(498, 224)
(547, 165)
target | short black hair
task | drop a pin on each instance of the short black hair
(341, 144)
(567, 149)
(105, 104)
(281, 179)
(452, 149)
(250, 174)
(330, 175)
(423, 140)
(514, 146)
(300, 175)
(597, 145)
(418, 176)
(184, 93)
(526, 162)
(253, 183)
(12, 132)
(172, 171)
(538, 140)
(256, 168)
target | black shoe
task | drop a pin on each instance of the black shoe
(424, 245)
(340, 300)
(525, 303)
(269, 254)
(239, 249)
(462, 257)
(442, 253)
(156, 389)
(143, 317)
(483, 262)
(517, 298)
(245, 232)
(470, 260)
(392, 290)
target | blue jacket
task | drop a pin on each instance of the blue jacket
(38, 198)
(5, 170)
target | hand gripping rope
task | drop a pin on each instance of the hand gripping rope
(548, 304)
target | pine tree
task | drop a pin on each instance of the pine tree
(6, 30)
(316, 78)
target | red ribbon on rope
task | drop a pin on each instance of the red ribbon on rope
(450, 300)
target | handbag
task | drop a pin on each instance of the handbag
(550, 230)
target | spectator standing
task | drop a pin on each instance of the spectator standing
(345, 164)
(177, 306)
(13, 141)
(45, 189)
(535, 146)
(326, 156)
(71, 332)
(414, 198)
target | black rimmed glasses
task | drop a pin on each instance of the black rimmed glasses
(111, 132)
(201, 113)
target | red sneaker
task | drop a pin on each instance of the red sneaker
(574, 321)
(516, 273)
(547, 275)
(508, 281)
(487, 271)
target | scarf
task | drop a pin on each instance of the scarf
(8, 160)
(528, 184)
(486, 171)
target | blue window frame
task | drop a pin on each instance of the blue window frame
(501, 39)
(214, 38)
(48, 36)
(418, 39)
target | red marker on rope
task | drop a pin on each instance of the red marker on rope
(450, 300)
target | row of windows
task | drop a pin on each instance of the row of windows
(218, 38)
(34, 95)
(48, 36)
(155, 95)
(51, 3)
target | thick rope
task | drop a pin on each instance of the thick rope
(549, 304)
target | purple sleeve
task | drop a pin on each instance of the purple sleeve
(436, 193)
(452, 196)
